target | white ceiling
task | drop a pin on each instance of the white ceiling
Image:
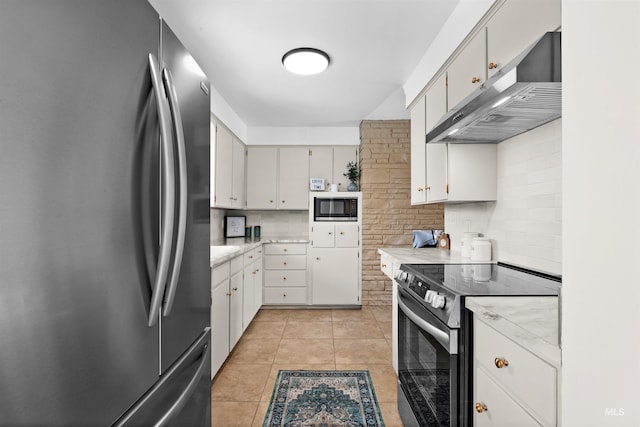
(374, 46)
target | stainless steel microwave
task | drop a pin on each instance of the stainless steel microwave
(335, 209)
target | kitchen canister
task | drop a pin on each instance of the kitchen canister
(480, 249)
(467, 239)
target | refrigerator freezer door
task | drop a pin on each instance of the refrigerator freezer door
(176, 398)
(76, 348)
(190, 309)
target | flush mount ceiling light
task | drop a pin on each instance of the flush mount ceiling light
(305, 61)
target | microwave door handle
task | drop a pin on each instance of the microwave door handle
(440, 336)
(168, 195)
(182, 191)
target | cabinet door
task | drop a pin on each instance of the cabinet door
(237, 183)
(501, 409)
(472, 172)
(515, 26)
(334, 276)
(293, 179)
(323, 235)
(223, 168)
(219, 325)
(235, 309)
(341, 157)
(436, 172)
(436, 102)
(256, 271)
(261, 177)
(418, 153)
(467, 71)
(321, 164)
(347, 235)
(248, 292)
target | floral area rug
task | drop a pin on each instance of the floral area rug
(323, 398)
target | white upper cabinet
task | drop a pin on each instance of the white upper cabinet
(229, 170)
(330, 163)
(277, 177)
(515, 26)
(437, 173)
(293, 178)
(436, 102)
(262, 174)
(467, 71)
(418, 153)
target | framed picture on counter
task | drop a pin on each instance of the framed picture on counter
(234, 226)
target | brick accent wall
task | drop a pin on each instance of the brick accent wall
(388, 217)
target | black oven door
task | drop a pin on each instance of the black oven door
(428, 366)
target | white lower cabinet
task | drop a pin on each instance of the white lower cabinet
(285, 274)
(389, 268)
(252, 286)
(219, 316)
(236, 289)
(512, 386)
(334, 276)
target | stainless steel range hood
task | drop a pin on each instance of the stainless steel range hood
(524, 94)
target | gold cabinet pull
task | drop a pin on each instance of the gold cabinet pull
(475, 80)
(383, 265)
(481, 407)
(235, 289)
(420, 189)
(427, 188)
(501, 362)
(229, 294)
(492, 65)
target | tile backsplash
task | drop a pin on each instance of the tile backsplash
(282, 224)
(525, 223)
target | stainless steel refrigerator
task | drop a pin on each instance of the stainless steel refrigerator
(104, 218)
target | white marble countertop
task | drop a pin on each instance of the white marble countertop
(427, 256)
(531, 322)
(227, 249)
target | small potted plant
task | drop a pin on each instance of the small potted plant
(353, 174)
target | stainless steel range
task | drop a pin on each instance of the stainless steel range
(435, 334)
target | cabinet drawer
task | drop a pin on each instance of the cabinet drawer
(236, 264)
(528, 379)
(280, 278)
(285, 262)
(501, 409)
(251, 256)
(285, 295)
(219, 274)
(285, 248)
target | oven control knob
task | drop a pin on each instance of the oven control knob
(429, 296)
(401, 276)
(438, 301)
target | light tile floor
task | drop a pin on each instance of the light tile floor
(303, 339)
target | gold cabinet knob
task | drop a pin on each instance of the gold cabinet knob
(285, 249)
(235, 289)
(284, 295)
(501, 362)
(285, 263)
(229, 294)
(330, 233)
(492, 65)
(420, 189)
(284, 278)
(283, 201)
(475, 79)
(342, 233)
(383, 265)
(427, 188)
(481, 407)
(317, 258)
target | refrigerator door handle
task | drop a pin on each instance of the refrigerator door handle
(182, 190)
(146, 407)
(168, 195)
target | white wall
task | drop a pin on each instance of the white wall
(525, 224)
(601, 218)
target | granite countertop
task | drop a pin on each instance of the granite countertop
(427, 256)
(226, 249)
(531, 322)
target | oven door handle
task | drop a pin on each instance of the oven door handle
(440, 336)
